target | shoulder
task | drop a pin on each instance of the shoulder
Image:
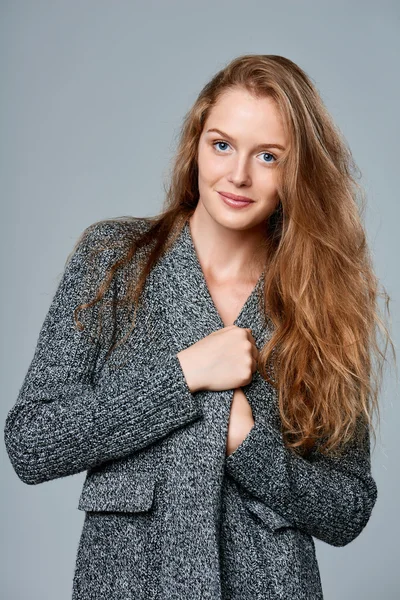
(109, 237)
(99, 246)
(118, 229)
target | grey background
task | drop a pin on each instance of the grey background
(92, 98)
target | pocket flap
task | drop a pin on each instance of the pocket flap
(272, 519)
(117, 492)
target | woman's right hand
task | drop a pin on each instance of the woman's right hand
(225, 359)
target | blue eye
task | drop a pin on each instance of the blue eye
(269, 154)
(215, 143)
(219, 142)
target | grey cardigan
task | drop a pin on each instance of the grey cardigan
(167, 514)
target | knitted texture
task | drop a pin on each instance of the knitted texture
(167, 513)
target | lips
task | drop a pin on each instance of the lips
(235, 197)
(233, 203)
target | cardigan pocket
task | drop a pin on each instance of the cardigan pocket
(273, 520)
(125, 492)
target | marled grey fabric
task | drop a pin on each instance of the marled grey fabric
(167, 514)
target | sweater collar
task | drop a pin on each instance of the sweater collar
(180, 289)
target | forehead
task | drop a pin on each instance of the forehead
(241, 114)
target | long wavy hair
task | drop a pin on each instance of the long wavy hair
(320, 290)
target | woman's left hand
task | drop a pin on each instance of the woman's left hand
(241, 421)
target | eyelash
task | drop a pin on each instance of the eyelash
(224, 142)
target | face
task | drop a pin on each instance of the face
(240, 159)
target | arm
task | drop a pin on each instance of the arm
(62, 423)
(329, 498)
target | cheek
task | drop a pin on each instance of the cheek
(210, 168)
(266, 185)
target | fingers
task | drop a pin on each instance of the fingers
(254, 350)
(250, 335)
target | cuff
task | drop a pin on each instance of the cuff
(259, 462)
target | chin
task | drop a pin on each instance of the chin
(235, 222)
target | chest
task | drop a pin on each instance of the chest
(229, 298)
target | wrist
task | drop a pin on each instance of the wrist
(190, 373)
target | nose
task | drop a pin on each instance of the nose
(240, 174)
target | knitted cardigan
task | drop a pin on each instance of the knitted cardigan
(167, 514)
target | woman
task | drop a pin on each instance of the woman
(220, 392)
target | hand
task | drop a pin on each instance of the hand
(225, 359)
(241, 421)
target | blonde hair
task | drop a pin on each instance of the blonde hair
(320, 289)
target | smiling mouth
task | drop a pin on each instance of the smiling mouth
(235, 197)
(235, 204)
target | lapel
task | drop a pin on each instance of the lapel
(180, 288)
(178, 291)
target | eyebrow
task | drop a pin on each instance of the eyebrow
(258, 147)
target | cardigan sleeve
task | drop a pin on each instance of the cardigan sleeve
(63, 423)
(328, 498)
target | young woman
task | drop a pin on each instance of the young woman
(219, 386)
